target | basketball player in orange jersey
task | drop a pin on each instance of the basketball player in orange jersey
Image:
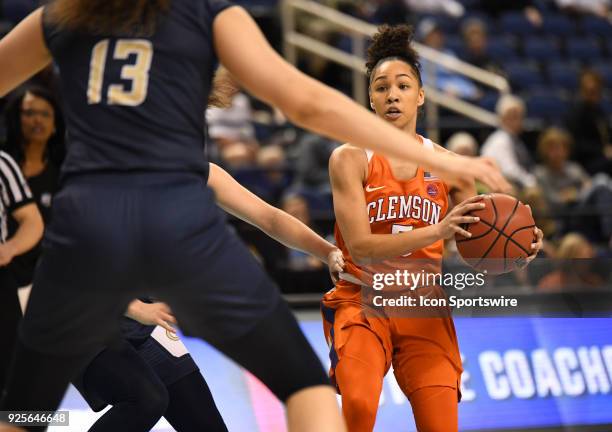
(387, 208)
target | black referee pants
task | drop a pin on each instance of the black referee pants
(10, 314)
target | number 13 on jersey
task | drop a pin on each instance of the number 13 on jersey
(137, 73)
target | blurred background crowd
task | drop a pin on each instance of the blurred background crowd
(553, 142)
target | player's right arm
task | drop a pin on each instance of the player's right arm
(347, 170)
(309, 103)
(23, 52)
(281, 226)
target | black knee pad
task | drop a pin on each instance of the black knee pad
(277, 353)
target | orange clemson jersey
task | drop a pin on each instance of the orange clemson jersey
(424, 352)
(396, 206)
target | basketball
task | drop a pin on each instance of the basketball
(501, 240)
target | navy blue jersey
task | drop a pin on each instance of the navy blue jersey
(138, 103)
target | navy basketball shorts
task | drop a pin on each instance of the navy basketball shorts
(167, 366)
(170, 367)
(115, 237)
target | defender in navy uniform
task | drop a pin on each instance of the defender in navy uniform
(150, 373)
(134, 217)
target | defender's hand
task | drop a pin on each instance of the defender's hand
(152, 314)
(335, 262)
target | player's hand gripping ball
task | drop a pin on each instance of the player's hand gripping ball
(504, 239)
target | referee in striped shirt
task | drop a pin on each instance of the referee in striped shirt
(16, 201)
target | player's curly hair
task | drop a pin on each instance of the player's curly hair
(108, 17)
(393, 43)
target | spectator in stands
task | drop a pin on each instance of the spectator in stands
(446, 7)
(576, 202)
(562, 181)
(599, 8)
(498, 7)
(505, 145)
(232, 132)
(310, 157)
(589, 126)
(297, 206)
(276, 177)
(430, 33)
(35, 139)
(463, 144)
(237, 155)
(574, 261)
(475, 37)
(579, 203)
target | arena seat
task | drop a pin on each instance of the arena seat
(546, 104)
(501, 48)
(516, 23)
(563, 75)
(592, 25)
(559, 25)
(523, 75)
(542, 49)
(585, 49)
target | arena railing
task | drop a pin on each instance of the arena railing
(360, 31)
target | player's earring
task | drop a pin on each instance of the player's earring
(372, 105)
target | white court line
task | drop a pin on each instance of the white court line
(82, 420)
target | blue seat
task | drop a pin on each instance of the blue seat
(16, 10)
(564, 75)
(447, 24)
(559, 25)
(5, 27)
(455, 44)
(542, 49)
(489, 100)
(469, 4)
(609, 48)
(547, 105)
(592, 25)
(606, 104)
(345, 43)
(605, 69)
(523, 75)
(501, 49)
(584, 49)
(319, 203)
(516, 23)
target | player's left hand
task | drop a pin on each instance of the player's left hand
(539, 241)
(535, 247)
(152, 314)
(335, 262)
